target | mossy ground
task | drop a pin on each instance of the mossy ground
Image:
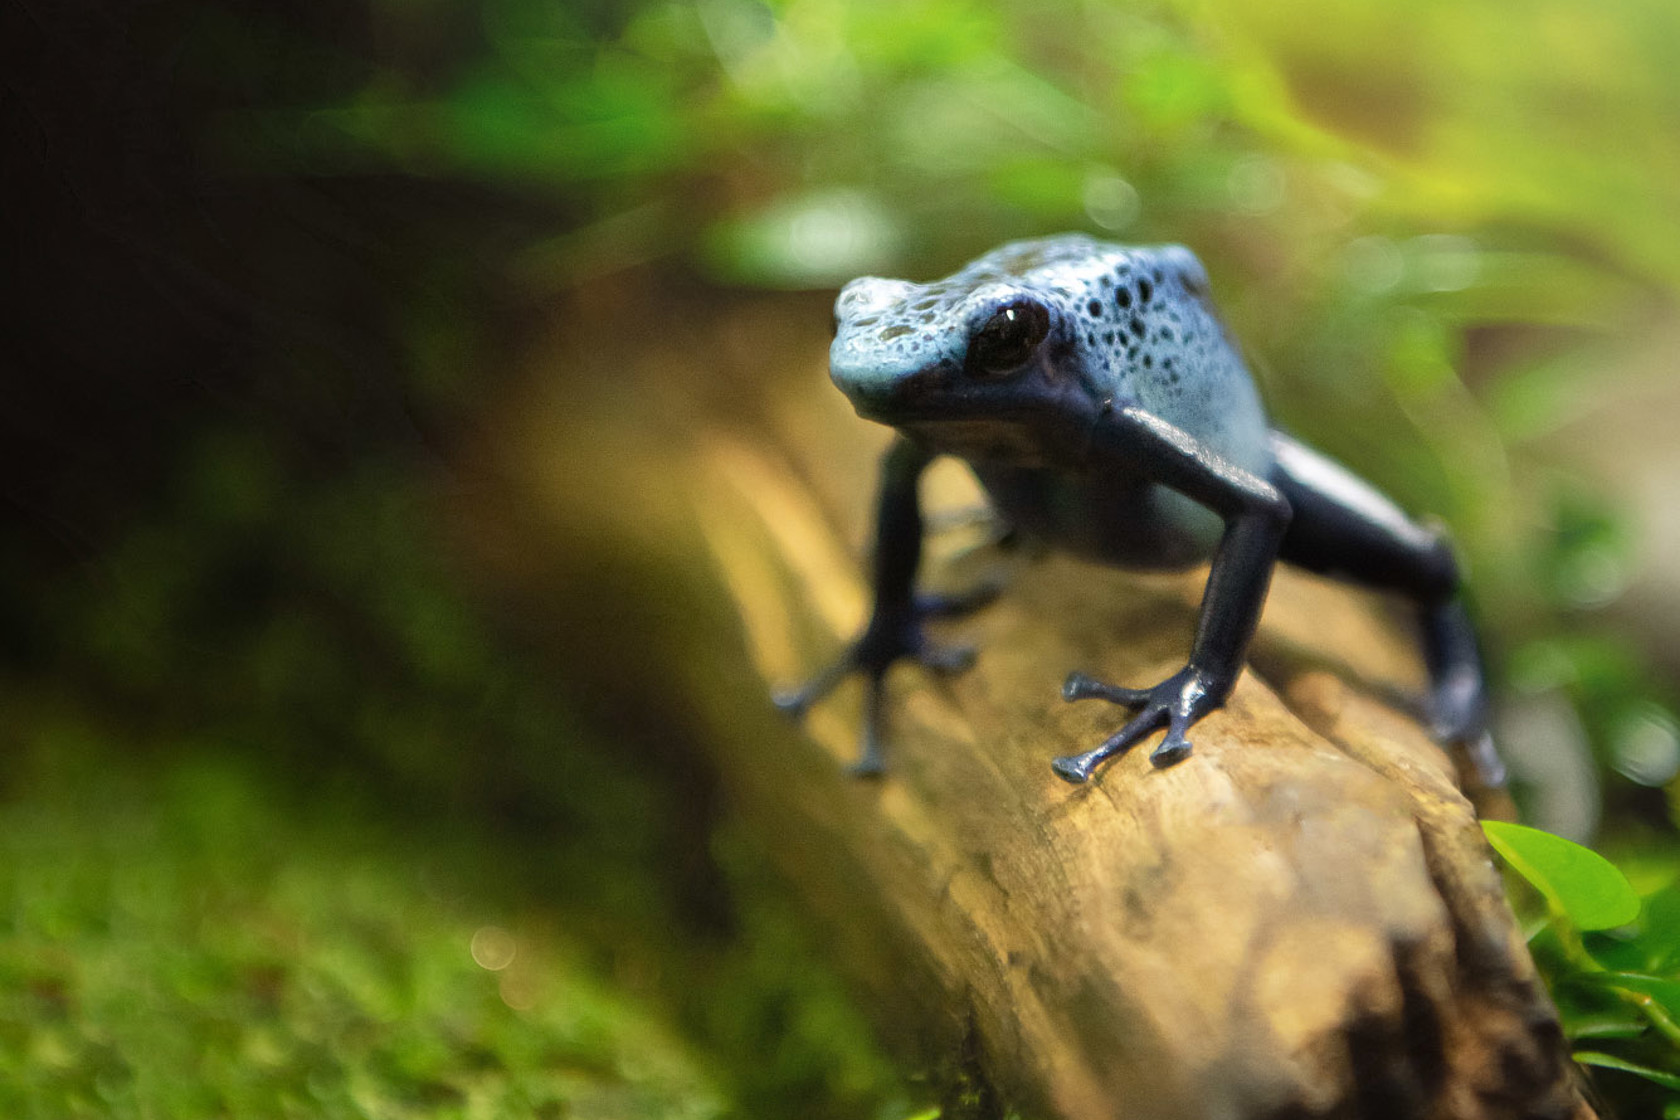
(183, 935)
(178, 944)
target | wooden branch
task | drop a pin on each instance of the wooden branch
(1302, 919)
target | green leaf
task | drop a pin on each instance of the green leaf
(1664, 990)
(1621, 1023)
(1660, 931)
(1576, 881)
(1610, 1061)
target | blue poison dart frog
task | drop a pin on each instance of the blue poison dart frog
(1095, 394)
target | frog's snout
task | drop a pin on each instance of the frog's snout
(882, 389)
(885, 358)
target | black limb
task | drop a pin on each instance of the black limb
(1458, 697)
(1345, 528)
(1256, 515)
(895, 628)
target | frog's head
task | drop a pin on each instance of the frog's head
(997, 361)
(968, 370)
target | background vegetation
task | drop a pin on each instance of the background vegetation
(297, 819)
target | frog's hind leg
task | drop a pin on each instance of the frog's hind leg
(1343, 527)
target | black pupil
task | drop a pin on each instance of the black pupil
(1008, 338)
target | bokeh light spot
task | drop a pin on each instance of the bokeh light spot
(494, 948)
(1110, 201)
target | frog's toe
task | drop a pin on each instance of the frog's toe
(1073, 769)
(1080, 686)
(1489, 767)
(791, 702)
(871, 761)
(1078, 768)
(1173, 749)
(1459, 723)
(795, 702)
(868, 766)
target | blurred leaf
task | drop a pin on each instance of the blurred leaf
(1588, 561)
(1576, 881)
(1665, 990)
(815, 240)
(1172, 89)
(1045, 188)
(1660, 929)
(1610, 1061)
(1594, 663)
(623, 121)
(1535, 398)
(1618, 1023)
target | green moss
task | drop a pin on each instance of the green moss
(182, 944)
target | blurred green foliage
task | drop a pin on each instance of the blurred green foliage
(1613, 960)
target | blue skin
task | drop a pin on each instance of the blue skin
(1096, 396)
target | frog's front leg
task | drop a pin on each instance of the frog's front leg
(1256, 514)
(895, 627)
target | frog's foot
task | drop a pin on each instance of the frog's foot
(945, 660)
(890, 638)
(1177, 703)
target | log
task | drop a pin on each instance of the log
(1301, 919)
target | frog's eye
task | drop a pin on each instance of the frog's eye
(1006, 340)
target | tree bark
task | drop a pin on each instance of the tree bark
(1301, 919)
